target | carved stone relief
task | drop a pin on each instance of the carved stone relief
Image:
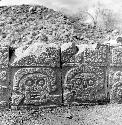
(4, 63)
(84, 83)
(3, 96)
(116, 86)
(97, 56)
(4, 56)
(34, 86)
(117, 55)
(39, 55)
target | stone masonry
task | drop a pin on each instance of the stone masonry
(49, 75)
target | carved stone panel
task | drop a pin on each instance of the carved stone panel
(116, 93)
(84, 83)
(116, 58)
(36, 86)
(4, 75)
(99, 56)
(38, 55)
(68, 51)
(4, 56)
(115, 85)
(4, 96)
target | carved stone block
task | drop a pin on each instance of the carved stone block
(4, 75)
(4, 56)
(84, 84)
(4, 96)
(93, 54)
(68, 51)
(36, 86)
(98, 57)
(116, 56)
(115, 84)
(38, 55)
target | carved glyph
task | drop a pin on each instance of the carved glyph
(117, 55)
(97, 56)
(4, 56)
(3, 75)
(34, 85)
(116, 87)
(68, 51)
(116, 93)
(38, 54)
(3, 94)
(84, 83)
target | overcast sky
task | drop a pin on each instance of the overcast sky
(72, 5)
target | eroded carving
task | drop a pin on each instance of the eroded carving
(3, 104)
(116, 86)
(117, 55)
(3, 96)
(3, 75)
(2, 90)
(98, 56)
(4, 56)
(84, 82)
(34, 85)
(116, 93)
(84, 53)
(38, 55)
(68, 51)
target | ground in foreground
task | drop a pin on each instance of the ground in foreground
(78, 115)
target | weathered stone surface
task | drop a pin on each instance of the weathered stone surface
(4, 86)
(36, 86)
(116, 93)
(4, 96)
(99, 56)
(116, 56)
(68, 51)
(85, 53)
(38, 54)
(80, 56)
(115, 85)
(4, 56)
(84, 84)
(4, 76)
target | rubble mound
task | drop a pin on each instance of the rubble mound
(26, 24)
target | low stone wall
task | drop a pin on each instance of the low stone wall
(48, 75)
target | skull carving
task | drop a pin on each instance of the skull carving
(35, 84)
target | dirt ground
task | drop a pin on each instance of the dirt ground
(78, 115)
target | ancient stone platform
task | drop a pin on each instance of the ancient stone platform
(49, 75)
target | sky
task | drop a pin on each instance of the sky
(71, 5)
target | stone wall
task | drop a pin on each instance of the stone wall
(4, 76)
(49, 75)
(115, 73)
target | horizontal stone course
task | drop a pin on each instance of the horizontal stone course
(38, 54)
(71, 75)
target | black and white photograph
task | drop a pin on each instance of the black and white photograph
(60, 62)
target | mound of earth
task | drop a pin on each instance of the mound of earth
(26, 24)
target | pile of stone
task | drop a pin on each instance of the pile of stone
(27, 24)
